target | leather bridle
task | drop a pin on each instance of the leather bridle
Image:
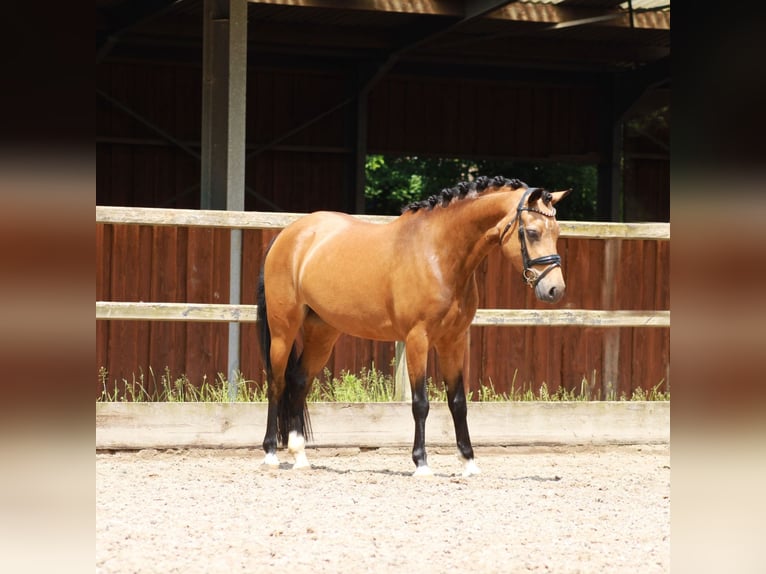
(531, 276)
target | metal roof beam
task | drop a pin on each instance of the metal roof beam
(532, 12)
(432, 7)
(123, 17)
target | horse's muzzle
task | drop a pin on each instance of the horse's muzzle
(551, 288)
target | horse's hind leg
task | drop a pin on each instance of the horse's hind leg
(281, 353)
(451, 354)
(318, 341)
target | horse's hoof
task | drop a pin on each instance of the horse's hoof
(470, 468)
(423, 471)
(271, 460)
(301, 461)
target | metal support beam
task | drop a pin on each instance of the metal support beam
(356, 140)
(224, 80)
(608, 207)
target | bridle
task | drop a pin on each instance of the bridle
(531, 276)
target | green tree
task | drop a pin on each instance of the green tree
(395, 181)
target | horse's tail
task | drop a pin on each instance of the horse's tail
(294, 381)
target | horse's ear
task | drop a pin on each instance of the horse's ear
(557, 196)
(535, 195)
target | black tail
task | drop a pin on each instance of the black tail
(295, 381)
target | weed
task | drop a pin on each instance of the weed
(370, 385)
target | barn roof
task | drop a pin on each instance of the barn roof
(552, 35)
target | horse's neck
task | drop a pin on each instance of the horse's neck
(467, 232)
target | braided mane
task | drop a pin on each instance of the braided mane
(461, 190)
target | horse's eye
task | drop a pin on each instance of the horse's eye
(533, 235)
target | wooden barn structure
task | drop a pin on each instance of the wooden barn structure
(274, 105)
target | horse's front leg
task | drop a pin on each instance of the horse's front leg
(417, 357)
(451, 362)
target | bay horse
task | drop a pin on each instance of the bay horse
(412, 280)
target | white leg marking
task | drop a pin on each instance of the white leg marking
(296, 444)
(469, 468)
(301, 461)
(423, 471)
(271, 459)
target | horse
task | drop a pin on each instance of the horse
(411, 279)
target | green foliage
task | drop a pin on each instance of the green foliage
(170, 388)
(654, 394)
(395, 181)
(369, 386)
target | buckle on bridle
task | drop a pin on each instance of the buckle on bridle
(532, 276)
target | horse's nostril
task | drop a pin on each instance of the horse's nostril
(552, 292)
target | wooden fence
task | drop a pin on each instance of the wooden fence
(115, 282)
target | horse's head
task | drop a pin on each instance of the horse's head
(534, 248)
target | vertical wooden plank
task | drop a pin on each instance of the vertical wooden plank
(259, 109)
(397, 108)
(541, 108)
(251, 265)
(199, 347)
(612, 340)
(467, 126)
(122, 348)
(524, 122)
(434, 118)
(164, 336)
(662, 301)
(449, 127)
(414, 117)
(577, 142)
(103, 293)
(284, 113)
(143, 293)
(377, 105)
(121, 124)
(573, 358)
(485, 118)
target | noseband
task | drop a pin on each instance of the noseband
(531, 276)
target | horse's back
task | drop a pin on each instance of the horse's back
(338, 266)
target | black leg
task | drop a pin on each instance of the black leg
(451, 354)
(420, 409)
(270, 439)
(459, 410)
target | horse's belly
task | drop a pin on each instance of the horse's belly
(363, 319)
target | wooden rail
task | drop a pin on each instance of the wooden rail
(267, 220)
(106, 310)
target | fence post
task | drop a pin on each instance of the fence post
(235, 288)
(609, 378)
(402, 390)
(222, 177)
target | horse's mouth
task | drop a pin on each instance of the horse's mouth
(550, 293)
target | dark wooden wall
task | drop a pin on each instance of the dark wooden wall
(308, 171)
(141, 263)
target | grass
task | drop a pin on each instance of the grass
(369, 386)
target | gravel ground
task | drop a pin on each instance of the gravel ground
(533, 509)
